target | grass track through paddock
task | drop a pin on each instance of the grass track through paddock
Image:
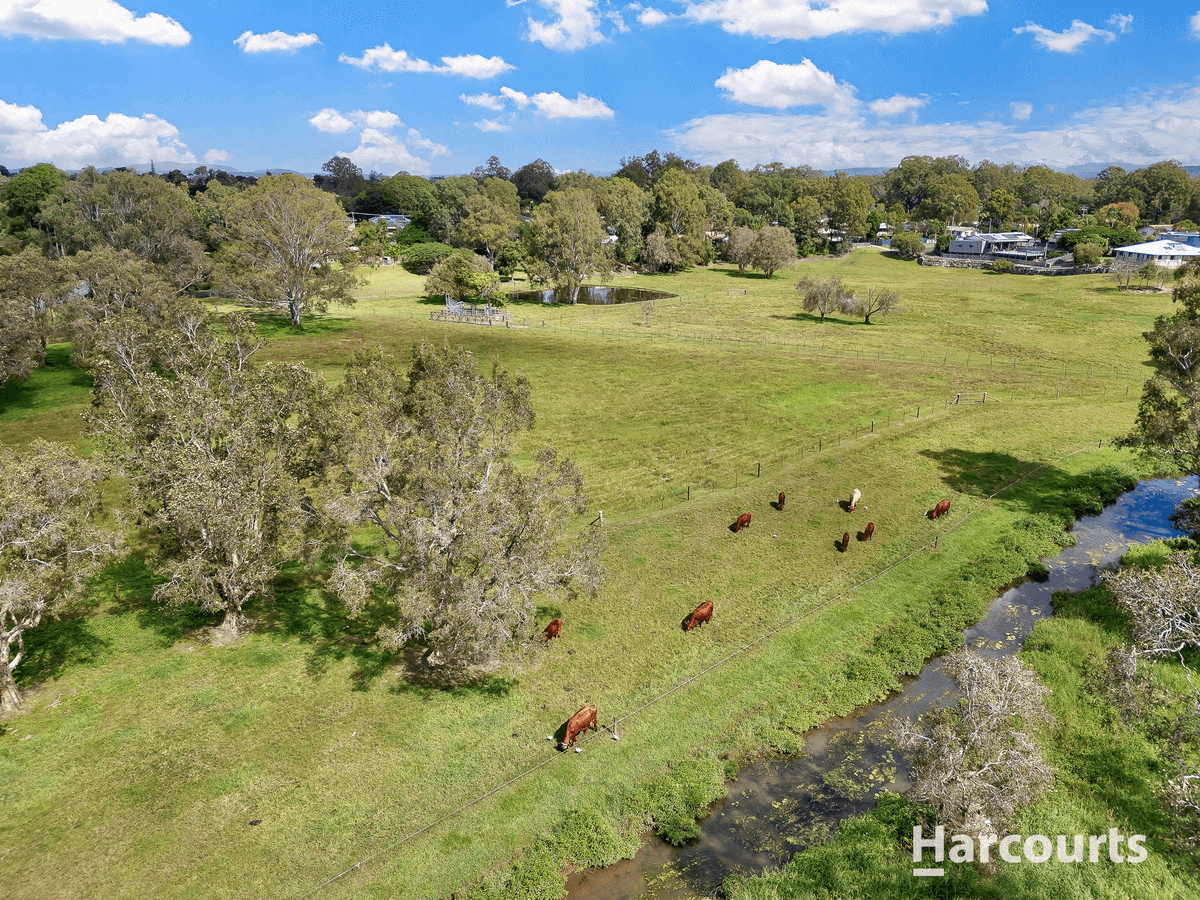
(149, 752)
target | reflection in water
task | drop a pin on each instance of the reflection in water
(778, 808)
(591, 294)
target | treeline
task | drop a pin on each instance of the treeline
(468, 233)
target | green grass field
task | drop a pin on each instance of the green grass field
(143, 755)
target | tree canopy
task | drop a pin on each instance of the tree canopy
(466, 540)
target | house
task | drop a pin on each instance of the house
(1005, 245)
(1191, 238)
(393, 222)
(1168, 254)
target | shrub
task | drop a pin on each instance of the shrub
(1088, 254)
(421, 259)
(1003, 266)
(908, 245)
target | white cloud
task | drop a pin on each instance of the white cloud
(554, 105)
(1069, 39)
(648, 15)
(1021, 111)
(105, 21)
(896, 105)
(521, 100)
(115, 140)
(331, 122)
(274, 42)
(804, 19)
(378, 147)
(216, 156)
(779, 86)
(491, 125)
(472, 65)
(1122, 23)
(487, 101)
(577, 24)
(1194, 25)
(1143, 129)
(385, 59)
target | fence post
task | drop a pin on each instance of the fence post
(872, 426)
(689, 492)
(818, 445)
(760, 470)
(918, 411)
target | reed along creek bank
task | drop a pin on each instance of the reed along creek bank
(777, 808)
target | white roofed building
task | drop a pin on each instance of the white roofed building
(1168, 254)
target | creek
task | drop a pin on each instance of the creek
(777, 808)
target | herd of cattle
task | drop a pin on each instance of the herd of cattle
(585, 717)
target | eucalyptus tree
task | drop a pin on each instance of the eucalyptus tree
(289, 247)
(32, 287)
(216, 448)
(568, 236)
(465, 541)
(773, 248)
(50, 543)
(976, 762)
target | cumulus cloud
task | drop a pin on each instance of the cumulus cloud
(554, 105)
(105, 21)
(896, 105)
(648, 15)
(492, 125)
(1021, 111)
(1069, 39)
(331, 122)
(1194, 25)
(806, 19)
(385, 59)
(215, 156)
(1141, 130)
(274, 42)
(487, 101)
(576, 24)
(379, 148)
(115, 140)
(779, 86)
(521, 100)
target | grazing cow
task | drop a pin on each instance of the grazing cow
(782, 497)
(855, 496)
(870, 531)
(743, 521)
(700, 615)
(578, 724)
(845, 541)
(941, 509)
(553, 629)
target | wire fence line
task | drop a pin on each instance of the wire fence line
(556, 321)
(799, 617)
(684, 490)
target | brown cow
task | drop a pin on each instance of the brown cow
(870, 531)
(845, 541)
(553, 629)
(782, 497)
(700, 615)
(855, 496)
(578, 724)
(940, 510)
(743, 521)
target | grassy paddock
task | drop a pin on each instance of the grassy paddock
(143, 754)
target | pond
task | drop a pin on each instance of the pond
(778, 808)
(591, 294)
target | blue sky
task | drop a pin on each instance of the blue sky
(437, 88)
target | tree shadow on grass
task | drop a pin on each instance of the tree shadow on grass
(815, 319)
(55, 645)
(45, 387)
(278, 323)
(1048, 490)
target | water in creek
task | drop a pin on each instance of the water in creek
(590, 294)
(777, 808)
